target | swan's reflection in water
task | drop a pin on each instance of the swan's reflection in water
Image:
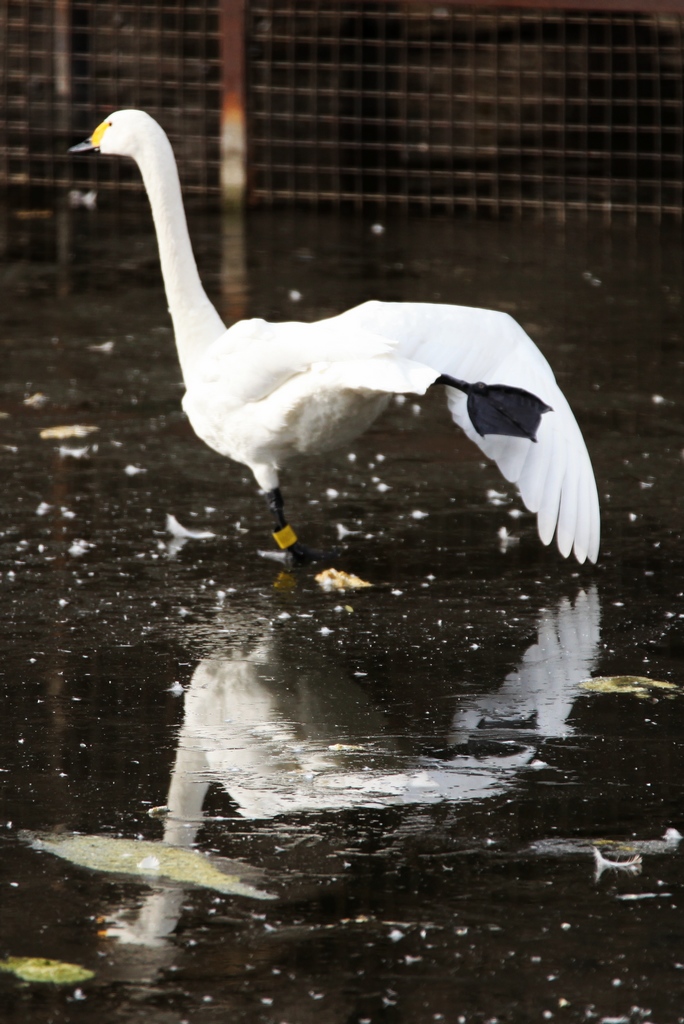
(540, 694)
(282, 738)
(284, 734)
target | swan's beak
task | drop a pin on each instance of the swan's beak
(84, 147)
(93, 143)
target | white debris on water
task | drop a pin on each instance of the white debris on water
(506, 539)
(496, 497)
(80, 547)
(36, 401)
(61, 433)
(630, 865)
(343, 532)
(73, 453)
(149, 864)
(81, 199)
(273, 556)
(183, 533)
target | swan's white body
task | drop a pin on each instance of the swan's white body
(262, 393)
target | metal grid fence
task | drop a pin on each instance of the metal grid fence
(419, 105)
(67, 63)
(444, 107)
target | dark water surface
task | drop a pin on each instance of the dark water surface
(414, 768)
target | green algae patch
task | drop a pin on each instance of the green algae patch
(637, 686)
(36, 968)
(147, 861)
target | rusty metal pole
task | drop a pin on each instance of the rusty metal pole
(62, 90)
(62, 50)
(233, 119)
(61, 74)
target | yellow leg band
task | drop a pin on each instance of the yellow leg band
(286, 537)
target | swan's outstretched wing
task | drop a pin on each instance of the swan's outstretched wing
(554, 476)
(546, 684)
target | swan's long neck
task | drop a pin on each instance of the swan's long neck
(195, 320)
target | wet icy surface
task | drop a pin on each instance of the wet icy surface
(413, 769)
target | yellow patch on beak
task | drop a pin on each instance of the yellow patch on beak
(96, 137)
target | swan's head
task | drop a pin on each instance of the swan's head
(123, 133)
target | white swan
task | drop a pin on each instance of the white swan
(264, 393)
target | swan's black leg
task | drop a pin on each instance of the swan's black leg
(500, 408)
(284, 536)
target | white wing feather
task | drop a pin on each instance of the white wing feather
(255, 358)
(554, 476)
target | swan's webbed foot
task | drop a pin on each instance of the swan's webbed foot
(301, 554)
(286, 538)
(500, 408)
